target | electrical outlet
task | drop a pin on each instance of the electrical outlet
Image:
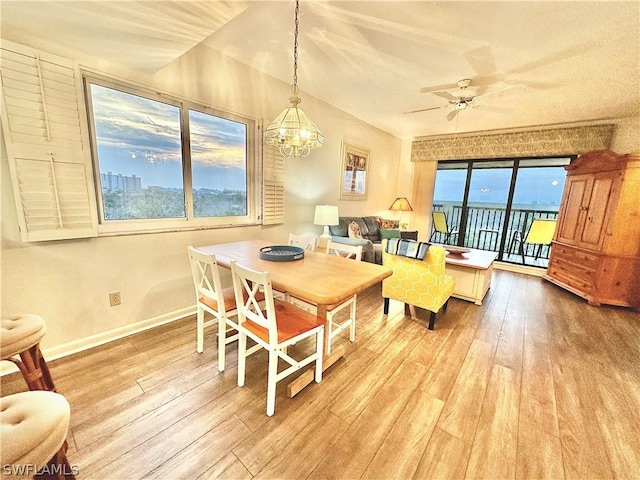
(115, 299)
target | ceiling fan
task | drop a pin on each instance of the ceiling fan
(462, 98)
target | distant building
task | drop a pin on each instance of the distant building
(120, 182)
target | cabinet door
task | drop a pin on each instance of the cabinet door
(573, 208)
(601, 197)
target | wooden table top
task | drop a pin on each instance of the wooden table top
(318, 278)
(479, 259)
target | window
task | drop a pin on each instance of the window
(494, 202)
(167, 163)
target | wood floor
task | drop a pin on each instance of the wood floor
(534, 383)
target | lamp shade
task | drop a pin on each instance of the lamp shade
(326, 215)
(401, 204)
(293, 132)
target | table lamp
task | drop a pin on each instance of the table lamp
(325, 215)
(401, 204)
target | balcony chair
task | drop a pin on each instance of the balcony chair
(440, 226)
(275, 327)
(419, 277)
(540, 233)
(212, 298)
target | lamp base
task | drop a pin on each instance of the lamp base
(324, 238)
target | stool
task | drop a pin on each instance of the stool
(21, 336)
(33, 430)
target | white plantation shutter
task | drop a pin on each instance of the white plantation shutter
(43, 122)
(272, 186)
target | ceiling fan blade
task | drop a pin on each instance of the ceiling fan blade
(481, 60)
(452, 114)
(438, 87)
(500, 91)
(560, 56)
(446, 95)
(426, 109)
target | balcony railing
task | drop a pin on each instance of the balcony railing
(487, 228)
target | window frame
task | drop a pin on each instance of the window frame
(190, 221)
(516, 164)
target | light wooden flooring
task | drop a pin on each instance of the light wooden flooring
(534, 383)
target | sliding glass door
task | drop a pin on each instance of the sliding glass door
(492, 205)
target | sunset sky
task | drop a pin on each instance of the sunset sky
(142, 137)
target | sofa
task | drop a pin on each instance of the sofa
(372, 230)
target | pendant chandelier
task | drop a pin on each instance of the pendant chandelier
(293, 132)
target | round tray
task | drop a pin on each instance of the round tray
(456, 250)
(281, 253)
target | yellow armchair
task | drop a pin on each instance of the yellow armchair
(418, 283)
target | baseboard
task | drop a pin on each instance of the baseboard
(527, 270)
(83, 344)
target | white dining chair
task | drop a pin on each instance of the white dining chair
(336, 327)
(307, 242)
(212, 298)
(273, 327)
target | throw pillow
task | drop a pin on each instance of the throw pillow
(392, 233)
(388, 224)
(354, 230)
(407, 248)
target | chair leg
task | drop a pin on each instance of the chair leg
(328, 326)
(34, 369)
(319, 346)
(446, 304)
(538, 251)
(385, 308)
(271, 382)
(352, 312)
(242, 357)
(222, 343)
(200, 330)
(58, 468)
(432, 320)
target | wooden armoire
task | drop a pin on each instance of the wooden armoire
(596, 249)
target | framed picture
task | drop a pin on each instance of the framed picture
(354, 174)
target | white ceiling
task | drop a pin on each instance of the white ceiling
(579, 60)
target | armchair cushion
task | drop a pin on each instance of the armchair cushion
(407, 248)
(422, 283)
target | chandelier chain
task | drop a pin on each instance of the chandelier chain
(294, 87)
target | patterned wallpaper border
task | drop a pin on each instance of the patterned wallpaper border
(525, 143)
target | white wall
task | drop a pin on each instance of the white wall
(67, 282)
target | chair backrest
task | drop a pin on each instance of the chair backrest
(308, 242)
(344, 250)
(249, 287)
(206, 277)
(440, 222)
(541, 231)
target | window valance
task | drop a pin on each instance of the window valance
(543, 142)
